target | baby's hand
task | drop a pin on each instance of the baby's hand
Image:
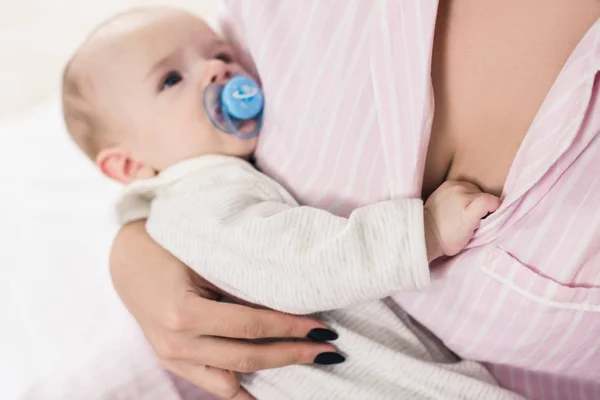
(452, 213)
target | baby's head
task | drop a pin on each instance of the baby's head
(133, 93)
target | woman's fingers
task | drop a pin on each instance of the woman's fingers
(217, 334)
(243, 356)
(206, 317)
(247, 356)
(226, 355)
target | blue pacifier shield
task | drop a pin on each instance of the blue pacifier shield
(231, 105)
(242, 98)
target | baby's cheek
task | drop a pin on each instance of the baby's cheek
(247, 147)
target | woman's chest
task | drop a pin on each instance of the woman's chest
(348, 98)
(493, 64)
(321, 136)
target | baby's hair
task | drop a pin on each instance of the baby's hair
(81, 118)
(82, 114)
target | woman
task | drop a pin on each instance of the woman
(523, 296)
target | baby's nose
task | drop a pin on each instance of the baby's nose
(220, 76)
(218, 72)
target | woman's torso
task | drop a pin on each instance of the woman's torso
(493, 64)
(349, 110)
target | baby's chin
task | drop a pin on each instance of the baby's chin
(242, 148)
(234, 145)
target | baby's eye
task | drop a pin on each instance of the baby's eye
(226, 58)
(171, 79)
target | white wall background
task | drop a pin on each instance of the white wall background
(56, 301)
(38, 36)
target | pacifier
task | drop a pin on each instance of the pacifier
(229, 106)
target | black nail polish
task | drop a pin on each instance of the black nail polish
(329, 358)
(322, 335)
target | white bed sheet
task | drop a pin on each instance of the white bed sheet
(56, 300)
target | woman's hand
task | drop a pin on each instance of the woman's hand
(196, 337)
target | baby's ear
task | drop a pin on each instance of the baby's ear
(119, 165)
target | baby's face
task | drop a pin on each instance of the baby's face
(150, 80)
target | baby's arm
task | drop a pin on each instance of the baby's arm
(250, 238)
(290, 258)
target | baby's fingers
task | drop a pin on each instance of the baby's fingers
(482, 204)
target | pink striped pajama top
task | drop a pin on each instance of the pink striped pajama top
(349, 111)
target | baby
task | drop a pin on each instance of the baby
(134, 101)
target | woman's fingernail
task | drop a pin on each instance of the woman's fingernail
(322, 335)
(329, 358)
